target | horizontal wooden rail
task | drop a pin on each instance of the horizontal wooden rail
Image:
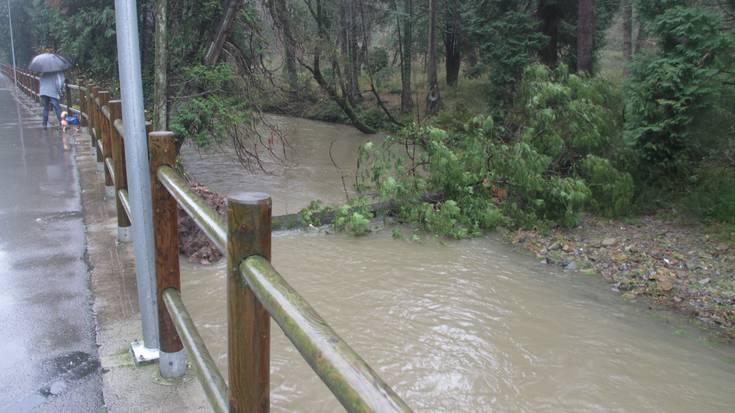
(256, 292)
(206, 218)
(125, 201)
(118, 125)
(100, 148)
(110, 169)
(209, 376)
(345, 373)
(105, 112)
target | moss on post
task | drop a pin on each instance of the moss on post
(248, 322)
(162, 151)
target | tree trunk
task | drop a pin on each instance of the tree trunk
(340, 100)
(433, 97)
(322, 24)
(349, 52)
(160, 68)
(452, 41)
(280, 14)
(585, 35)
(354, 52)
(405, 42)
(640, 41)
(225, 28)
(627, 32)
(550, 16)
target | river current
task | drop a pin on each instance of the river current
(466, 326)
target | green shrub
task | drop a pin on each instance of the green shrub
(557, 161)
(327, 111)
(612, 190)
(353, 217)
(216, 113)
(444, 219)
(669, 90)
(376, 119)
(713, 194)
(315, 213)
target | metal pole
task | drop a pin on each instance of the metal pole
(139, 184)
(15, 91)
(12, 45)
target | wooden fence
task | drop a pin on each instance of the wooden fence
(256, 291)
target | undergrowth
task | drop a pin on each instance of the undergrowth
(556, 155)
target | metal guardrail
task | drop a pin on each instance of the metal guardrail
(255, 290)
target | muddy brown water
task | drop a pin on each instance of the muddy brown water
(469, 326)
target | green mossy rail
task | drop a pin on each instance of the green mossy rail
(209, 376)
(357, 386)
(206, 218)
(351, 380)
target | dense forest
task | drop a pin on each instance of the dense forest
(499, 112)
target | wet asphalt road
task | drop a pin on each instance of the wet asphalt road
(48, 354)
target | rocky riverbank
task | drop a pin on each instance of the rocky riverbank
(670, 263)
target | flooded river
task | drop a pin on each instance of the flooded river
(469, 326)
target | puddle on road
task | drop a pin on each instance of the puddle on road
(64, 372)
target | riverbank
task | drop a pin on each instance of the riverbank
(663, 259)
(673, 264)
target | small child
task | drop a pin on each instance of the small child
(69, 119)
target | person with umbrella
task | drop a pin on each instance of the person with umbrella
(51, 82)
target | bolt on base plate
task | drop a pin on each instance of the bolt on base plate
(143, 355)
(123, 234)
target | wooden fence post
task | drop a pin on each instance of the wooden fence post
(82, 102)
(162, 151)
(121, 175)
(106, 151)
(69, 102)
(92, 113)
(102, 97)
(248, 322)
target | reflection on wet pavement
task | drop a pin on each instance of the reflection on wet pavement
(46, 322)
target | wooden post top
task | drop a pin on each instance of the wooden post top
(160, 134)
(249, 198)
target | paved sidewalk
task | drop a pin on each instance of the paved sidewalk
(68, 302)
(126, 387)
(48, 352)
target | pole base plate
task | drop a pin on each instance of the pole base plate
(143, 355)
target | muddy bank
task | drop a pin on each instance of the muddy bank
(197, 248)
(193, 244)
(673, 264)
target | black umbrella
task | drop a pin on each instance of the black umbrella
(49, 62)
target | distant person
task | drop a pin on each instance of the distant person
(50, 87)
